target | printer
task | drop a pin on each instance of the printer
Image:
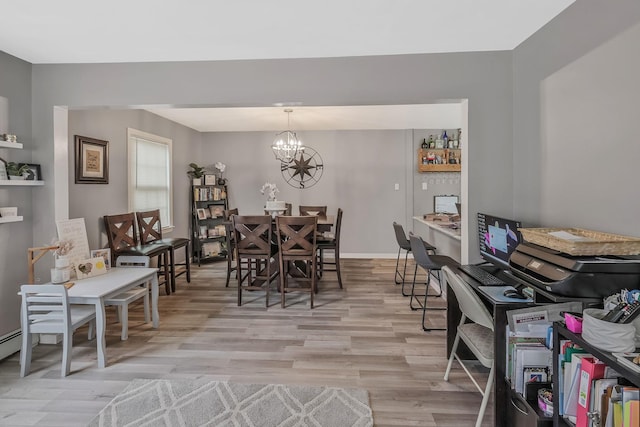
(574, 276)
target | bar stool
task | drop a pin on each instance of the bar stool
(403, 244)
(231, 243)
(430, 263)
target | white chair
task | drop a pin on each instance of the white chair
(478, 336)
(123, 300)
(46, 310)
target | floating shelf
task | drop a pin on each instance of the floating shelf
(21, 182)
(5, 144)
(6, 219)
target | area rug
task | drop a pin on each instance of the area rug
(219, 403)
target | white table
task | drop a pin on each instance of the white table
(95, 290)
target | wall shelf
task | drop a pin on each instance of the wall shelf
(4, 144)
(444, 155)
(20, 182)
(6, 219)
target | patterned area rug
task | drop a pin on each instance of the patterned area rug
(218, 403)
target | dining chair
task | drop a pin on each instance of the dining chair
(331, 244)
(150, 231)
(312, 210)
(254, 245)
(231, 243)
(430, 264)
(478, 335)
(297, 253)
(123, 240)
(46, 310)
(122, 300)
(403, 244)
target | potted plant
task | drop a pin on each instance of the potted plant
(196, 173)
(17, 171)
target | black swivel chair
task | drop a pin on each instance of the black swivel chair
(403, 244)
(430, 263)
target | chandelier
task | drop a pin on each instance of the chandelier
(287, 144)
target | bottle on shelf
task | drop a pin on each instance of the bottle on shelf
(431, 142)
(424, 145)
(445, 139)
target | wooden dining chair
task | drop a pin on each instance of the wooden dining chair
(123, 240)
(231, 243)
(312, 210)
(150, 231)
(254, 245)
(331, 244)
(297, 247)
(122, 300)
(46, 310)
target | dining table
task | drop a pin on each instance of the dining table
(94, 290)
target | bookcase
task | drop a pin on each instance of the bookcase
(560, 332)
(208, 232)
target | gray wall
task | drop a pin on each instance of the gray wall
(583, 27)
(92, 201)
(360, 170)
(16, 237)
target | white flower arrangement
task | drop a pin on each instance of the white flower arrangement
(220, 167)
(64, 247)
(269, 189)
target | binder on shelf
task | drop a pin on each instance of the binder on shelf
(571, 396)
(591, 369)
(630, 407)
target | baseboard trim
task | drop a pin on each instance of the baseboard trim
(376, 256)
(10, 343)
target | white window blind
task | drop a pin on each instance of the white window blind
(150, 174)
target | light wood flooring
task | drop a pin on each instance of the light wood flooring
(363, 336)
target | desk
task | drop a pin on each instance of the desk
(94, 290)
(447, 240)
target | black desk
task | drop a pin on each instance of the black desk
(498, 309)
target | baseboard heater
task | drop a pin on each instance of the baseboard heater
(10, 343)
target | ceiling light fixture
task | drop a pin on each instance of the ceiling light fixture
(287, 144)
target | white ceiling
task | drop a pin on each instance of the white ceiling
(430, 116)
(80, 31)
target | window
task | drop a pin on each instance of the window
(150, 174)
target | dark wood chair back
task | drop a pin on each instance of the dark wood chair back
(253, 235)
(121, 233)
(149, 226)
(313, 210)
(297, 236)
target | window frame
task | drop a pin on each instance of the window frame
(132, 165)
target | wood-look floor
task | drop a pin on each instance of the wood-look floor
(363, 336)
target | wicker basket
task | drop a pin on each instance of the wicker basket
(587, 242)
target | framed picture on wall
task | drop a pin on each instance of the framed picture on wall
(92, 160)
(34, 172)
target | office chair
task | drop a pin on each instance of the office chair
(431, 264)
(403, 244)
(46, 310)
(478, 336)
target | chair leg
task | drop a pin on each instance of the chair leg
(229, 256)
(284, 271)
(92, 330)
(456, 341)
(172, 268)
(187, 262)
(425, 308)
(25, 353)
(124, 335)
(267, 282)
(487, 394)
(312, 275)
(239, 274)
(67, 348)
(395, 278)
(404, 274)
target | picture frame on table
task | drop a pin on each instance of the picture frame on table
(209, 179)
(35, 172)
(105, 253)
(92, 160)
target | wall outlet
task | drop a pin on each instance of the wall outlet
(424, 185)
(397, 187)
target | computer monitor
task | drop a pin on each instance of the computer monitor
(498, 238)
(445, 204)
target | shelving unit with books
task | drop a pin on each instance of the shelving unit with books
(560, 332)
(208, 233)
